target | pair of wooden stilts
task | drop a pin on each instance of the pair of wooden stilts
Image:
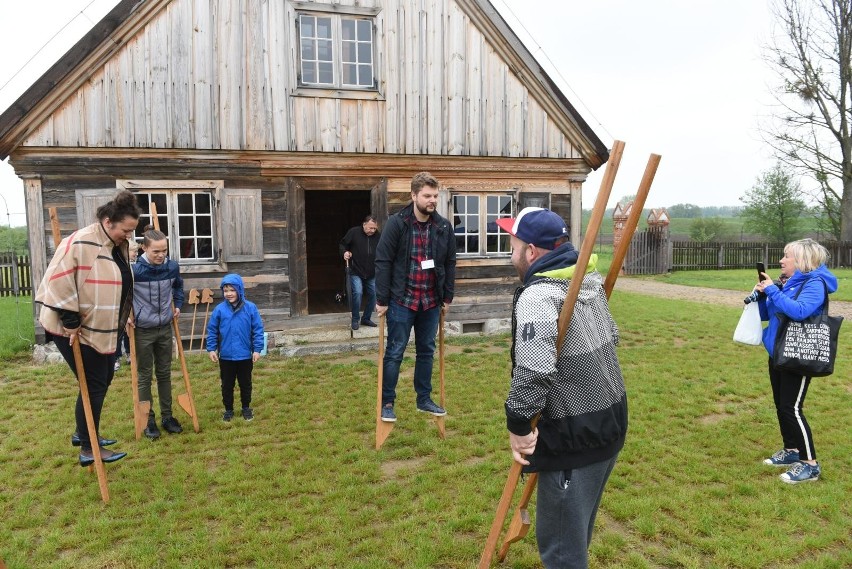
(383, 428)
(140, 408)
(520, 523)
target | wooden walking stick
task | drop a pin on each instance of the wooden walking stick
(193, 300)
(564, 318)
(185, 400)
(206, 298)
(383, 428)
(440, 420)
(94, 439)
(519, 526)
(141, 409)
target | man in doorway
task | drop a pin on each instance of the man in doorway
(415, 276)
(358, 247)
(578, 393)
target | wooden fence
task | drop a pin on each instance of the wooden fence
(15, 275)
(648, 253)
(691, 256)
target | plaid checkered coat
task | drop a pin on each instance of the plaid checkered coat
(83, 277)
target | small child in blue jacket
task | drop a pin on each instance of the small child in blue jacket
(235, 340)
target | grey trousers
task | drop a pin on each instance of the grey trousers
(566, 505)
(154, 349)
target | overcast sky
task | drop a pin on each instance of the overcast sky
(683, 79)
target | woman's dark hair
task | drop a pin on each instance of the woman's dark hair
(150, 235)
(123, 205)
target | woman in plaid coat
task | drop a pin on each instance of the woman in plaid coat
(87, 294)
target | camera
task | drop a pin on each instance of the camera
(755, 295)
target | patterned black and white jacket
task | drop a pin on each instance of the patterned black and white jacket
(581, 396)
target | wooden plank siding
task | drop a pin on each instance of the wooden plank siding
(221, 74)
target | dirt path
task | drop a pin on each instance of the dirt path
(701, 294)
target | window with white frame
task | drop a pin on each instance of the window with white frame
(336, 51)
(186, 217)
(475, 223)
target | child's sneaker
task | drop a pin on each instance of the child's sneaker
(228, 416)
(247, 414)
(801, 472)
(783, 457)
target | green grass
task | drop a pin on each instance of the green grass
(733, 228)
(301, 486)
(744, 280)
(16, 326)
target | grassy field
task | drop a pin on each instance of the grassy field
(301, 486)
(744, 279)
(16, 326)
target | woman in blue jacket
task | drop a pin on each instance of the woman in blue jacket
(235, 340)
(807, 283)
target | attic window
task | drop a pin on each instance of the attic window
(336, 51)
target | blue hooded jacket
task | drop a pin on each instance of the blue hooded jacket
(810, 300)
(235, 330)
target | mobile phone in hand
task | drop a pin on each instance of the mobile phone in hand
(761, 268)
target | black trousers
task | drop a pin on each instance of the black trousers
(99, 372)
(789, 391)
(230, 372)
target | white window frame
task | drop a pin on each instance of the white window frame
(172, 190)
(483, 220)
(337, 42)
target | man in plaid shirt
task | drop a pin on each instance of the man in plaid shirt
(415, 275)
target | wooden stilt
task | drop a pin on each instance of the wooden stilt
(193, 300)
(206, 298)
(94, 439)
(441, 393)
(141, 409)
(383, 429)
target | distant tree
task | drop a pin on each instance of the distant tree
(811, 131)
(721, 211)
(684, 211)
(706, 229)
(14, 240)
(774, 206)
(624, 200)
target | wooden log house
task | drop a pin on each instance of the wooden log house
(264, 129)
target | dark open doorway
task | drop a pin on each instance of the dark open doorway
(328, 216)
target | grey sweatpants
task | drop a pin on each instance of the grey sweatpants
(566, 505)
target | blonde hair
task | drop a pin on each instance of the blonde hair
(807, 253)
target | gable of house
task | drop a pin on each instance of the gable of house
(448, 78)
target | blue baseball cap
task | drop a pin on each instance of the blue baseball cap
(536, 225)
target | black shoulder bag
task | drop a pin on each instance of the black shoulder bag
(807, 347)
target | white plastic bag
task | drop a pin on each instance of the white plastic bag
(750, 328)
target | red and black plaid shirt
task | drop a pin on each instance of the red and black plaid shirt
(420, 284)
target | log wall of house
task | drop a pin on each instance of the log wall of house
(221, 74)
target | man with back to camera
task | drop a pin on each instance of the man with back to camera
(359, 247)
(415, 276)
(579, 394)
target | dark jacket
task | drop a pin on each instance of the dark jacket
(809, 302)
(580, 394)
(155, 287)
(393, 256)
(235, 330)
(363, 249)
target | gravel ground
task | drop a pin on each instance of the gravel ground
(709, 295)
